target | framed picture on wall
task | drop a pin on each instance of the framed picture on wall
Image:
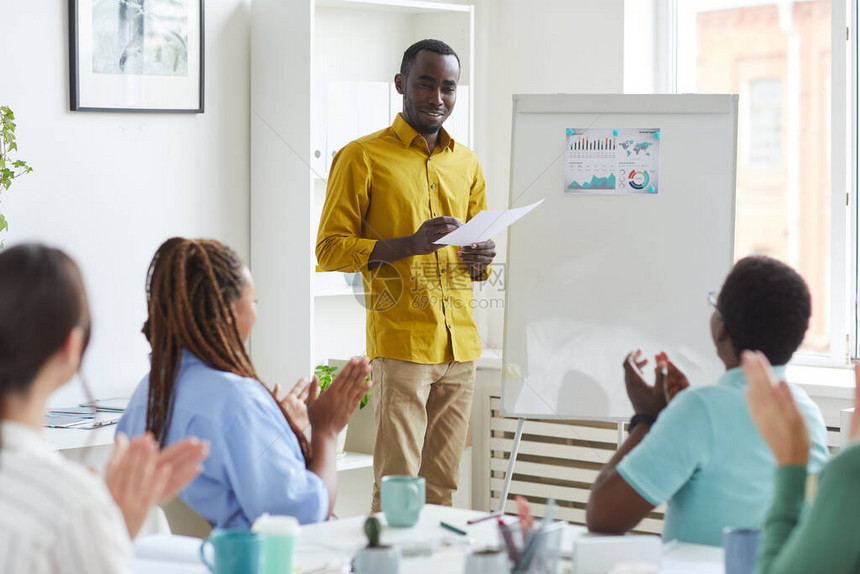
(136, 55)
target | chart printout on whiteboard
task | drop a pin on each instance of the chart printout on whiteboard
(485, 225)
(612, 161)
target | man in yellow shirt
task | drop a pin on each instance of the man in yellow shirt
(390, 196)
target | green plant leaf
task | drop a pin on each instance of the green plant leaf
(4, 225)
(8, 144)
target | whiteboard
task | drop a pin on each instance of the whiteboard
(592, 277)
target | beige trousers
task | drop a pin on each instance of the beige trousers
(422, 417)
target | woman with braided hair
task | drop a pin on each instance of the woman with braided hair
(201, 304)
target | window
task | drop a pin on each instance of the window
(762, 132)
(791, 187)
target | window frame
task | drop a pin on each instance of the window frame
(844, 209)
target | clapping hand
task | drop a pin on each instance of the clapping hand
(295, 402)
(330, 411)
(646, 399)
(676, 381)
(774, 411)
(139, 476)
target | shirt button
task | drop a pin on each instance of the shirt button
(433, 186)
(443, 271)
(435, 214)
(429, 158)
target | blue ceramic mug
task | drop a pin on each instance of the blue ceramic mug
(740, 546)
(236, 551)
(402, 498)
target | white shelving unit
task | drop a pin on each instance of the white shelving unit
(322, 75)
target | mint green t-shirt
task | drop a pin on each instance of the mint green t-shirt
(705, 457)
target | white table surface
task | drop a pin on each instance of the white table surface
(66, 439)
(333, 544)
(69, 439)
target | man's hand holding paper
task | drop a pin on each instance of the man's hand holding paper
(481, 228)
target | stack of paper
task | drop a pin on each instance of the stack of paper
(79, 418)
(107, 405)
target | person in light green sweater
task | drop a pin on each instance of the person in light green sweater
(827, 538)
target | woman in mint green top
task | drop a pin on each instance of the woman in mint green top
(827, 540)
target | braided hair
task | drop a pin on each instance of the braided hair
(190, 287)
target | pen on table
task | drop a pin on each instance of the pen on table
(453, 528)
(508, 538)
(483, 518)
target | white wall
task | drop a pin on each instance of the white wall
(109, 188)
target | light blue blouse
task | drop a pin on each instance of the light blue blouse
(255, 464)
(705, 457)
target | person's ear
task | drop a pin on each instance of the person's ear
(399, 83)
(722, 335)
(73, 347)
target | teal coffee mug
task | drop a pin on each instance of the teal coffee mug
(402, 499)
(235, 552)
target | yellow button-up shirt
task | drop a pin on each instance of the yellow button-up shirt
(385, 185)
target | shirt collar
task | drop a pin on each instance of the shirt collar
(735, 377)
(20, 437)
(407, 134)
(187, 357)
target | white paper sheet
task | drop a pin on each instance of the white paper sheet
(485, 225)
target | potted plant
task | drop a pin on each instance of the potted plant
(376, 558)
(326, 374)
(10, 169)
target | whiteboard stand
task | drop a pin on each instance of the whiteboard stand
(509, 475)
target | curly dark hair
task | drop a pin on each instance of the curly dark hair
(437, 46)
(765, 306)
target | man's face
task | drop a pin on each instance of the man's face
(429, 91)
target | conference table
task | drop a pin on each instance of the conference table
(328, 547)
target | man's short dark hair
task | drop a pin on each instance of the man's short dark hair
(437, 46)
(765, 305)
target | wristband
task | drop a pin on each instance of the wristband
(637, 418)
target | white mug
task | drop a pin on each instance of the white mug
(635, 568)
(487, 562)
(379, 560)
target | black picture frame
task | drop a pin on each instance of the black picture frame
(102, 84)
